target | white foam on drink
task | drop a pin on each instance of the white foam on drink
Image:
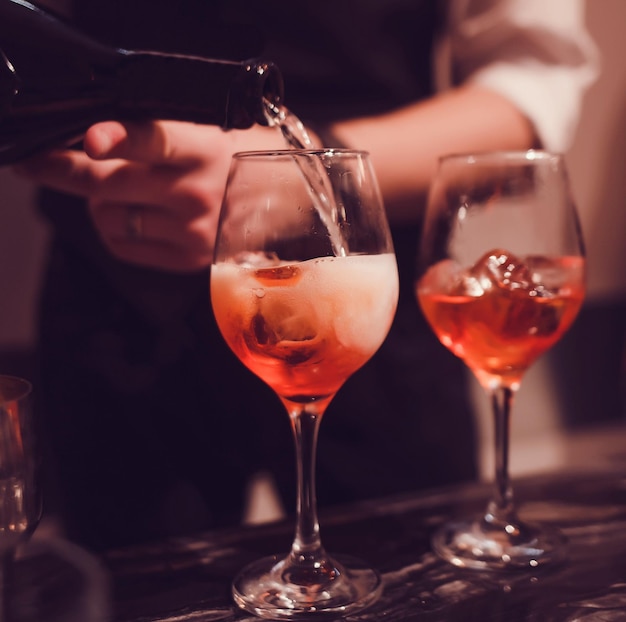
(353, 297)
(356, 296)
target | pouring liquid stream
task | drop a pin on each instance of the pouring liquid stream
(312, 169)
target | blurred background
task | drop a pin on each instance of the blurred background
(571, 406)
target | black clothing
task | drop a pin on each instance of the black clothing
(154, 423)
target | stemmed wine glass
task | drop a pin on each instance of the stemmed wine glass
(20, 493)
(500, 279)
(304, 287)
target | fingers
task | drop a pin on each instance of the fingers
(104, 140)
(138, 142)
(153, 237)
(175, 229)
(141, 222)
(160, 256)
(143, 162)
(151, 142)
(67, 171)
(118, 180)
(145, 148)
(175, 171)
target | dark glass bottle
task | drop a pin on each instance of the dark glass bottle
(55, 82)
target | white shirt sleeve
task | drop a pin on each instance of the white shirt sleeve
(536, 53)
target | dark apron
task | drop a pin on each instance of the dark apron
(155, 427)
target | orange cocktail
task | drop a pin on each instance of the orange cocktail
(305, 327)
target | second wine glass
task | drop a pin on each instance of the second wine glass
(500, 279)
(304, 287)
(20, 484)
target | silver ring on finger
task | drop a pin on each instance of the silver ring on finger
(134, 222)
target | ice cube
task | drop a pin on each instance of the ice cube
(277, 322)
(469, 285)
(526, 316)
(547, 276)
(248, 259)
(281, 331)
(497, 268)
(503, 269)
(447, 277)
(515, 288)
(279, 275)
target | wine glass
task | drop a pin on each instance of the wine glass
(500, 279)
(20, 495)
(304, 287)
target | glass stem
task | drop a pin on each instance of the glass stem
(305, 428)
(502, 505)
(307, 564)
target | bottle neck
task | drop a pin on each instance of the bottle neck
(166, 86)
(56, 81)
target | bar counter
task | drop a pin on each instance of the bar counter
(188, 580)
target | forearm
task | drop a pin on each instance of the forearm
(406, 143)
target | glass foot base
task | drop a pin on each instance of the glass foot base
(261, 590)
(480, 544)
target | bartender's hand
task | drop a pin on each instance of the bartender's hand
(153, 189)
